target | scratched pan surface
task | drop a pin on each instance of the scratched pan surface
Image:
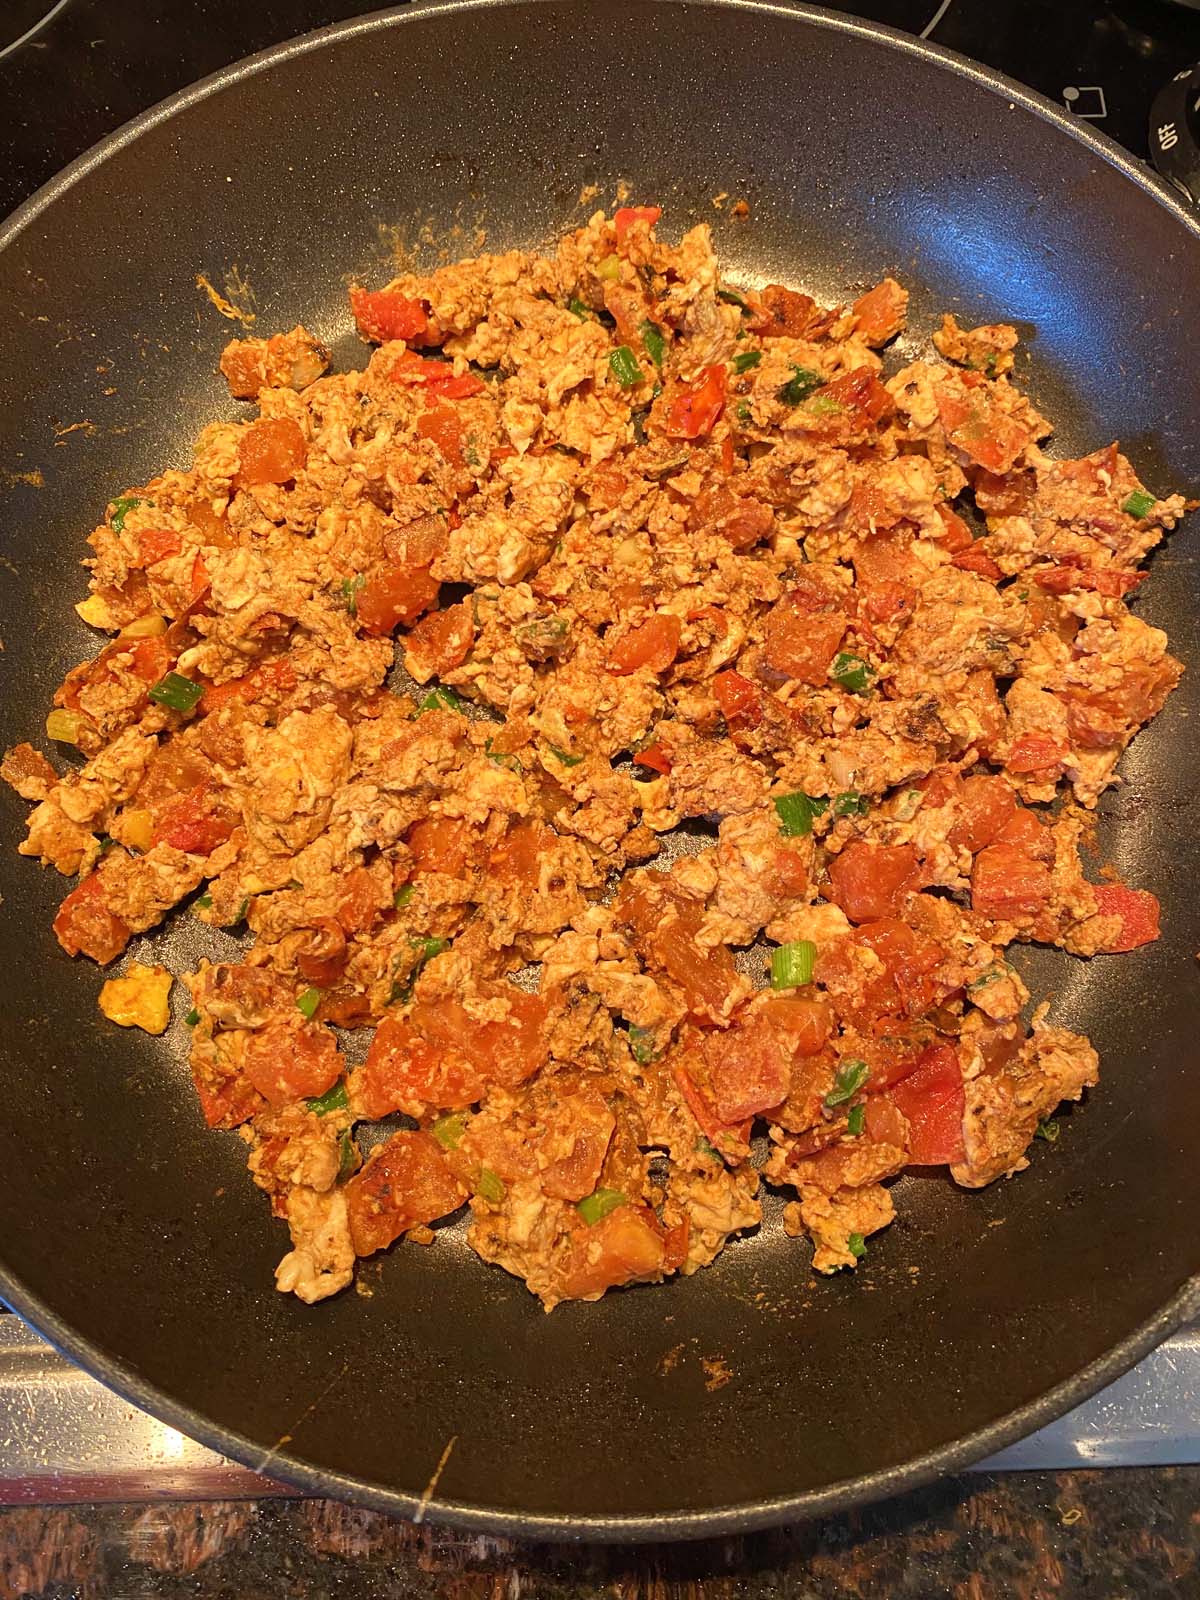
(130, 1235)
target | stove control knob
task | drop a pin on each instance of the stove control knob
(1175, 133)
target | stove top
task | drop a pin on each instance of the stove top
(72, 71)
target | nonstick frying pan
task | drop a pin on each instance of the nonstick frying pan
(130, 1235)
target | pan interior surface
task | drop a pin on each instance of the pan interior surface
(750, 1392)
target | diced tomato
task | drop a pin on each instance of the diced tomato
(271, 451)
(442, 844)
(627, 1246)
(226, 1102)
(1110, 581)
(860, 398)
(194, 823)
(909, 959)
(980, 429)
(405, 1072)
(156, 544)
(740, 700)
(272, 676)
(85, 926)
(444, 427)
(747, 1069)
(322, 959)
(741, 520)
(510, 1051)
(726, 1138)
(653, 644)
(880, 312)
(405, 1182)
(654, 757)
(1027, 832)
(675, 1245)
(1007, 495)
(359, 905)
(1138, 910)
(1006, 882)
(707, 978)
(200, 576)
(804, 1026)
(933, 1101)
(694, 411)
(983, 805)
(801, 639)
(151, 658)
(976, 559)
(384, 314)
(782, 312)
(580, 1126)
(437, 377)
(956, 535)
(395, 594)
(628, 215)
(442, 640)
(285, 1062)
(518, 856)
(871, 881)
(892, 1047)
(1034, 752)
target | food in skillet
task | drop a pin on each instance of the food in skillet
(668, 562)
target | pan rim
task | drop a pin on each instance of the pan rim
(717, 1521)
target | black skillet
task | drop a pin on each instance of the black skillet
(128, 1234)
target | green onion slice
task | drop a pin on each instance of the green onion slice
(856, 1121)
(335, 1099)
(308, 1002)
(796, 812)
(623, 365)
(448, 1130)
(792, 964)
(857, 1246)
(746, 359)
(1138, 504)
(491, 1186)
(800, 385)
(595, 1207)
(442, 700)
(852, 1073)
(177, 692)
(852, 672)
(653, 343)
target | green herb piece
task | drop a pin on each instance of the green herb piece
(856, 1121)
(743, 413)
(706, 1149)
(491, 1187)
(852, 1073)
(177, 692)
(852, 672)
(746, 359)
(642, 1042)
(577, 308)
(192, 1018)
(792, 964)
(308, 1002)
(561, 755)
(1138, 504)
(653, 343)
(448, 1130)
(796, 813)
(349, 588)
(347, 1155)
(442, 700)
(239, 915)
(121, 507)
(732, 297)
(857, 1246)
(992, 975)
(429, 947)
(624, 367)
(335, 1099)
(1048, 1129)
(403, 896)
(824, 405)
(609, 269)
(106, 842)
(502, 758)
(204, 901)
(850, 804)
(595, 1207)
(544, 633)
(471, 454)
(800, 385)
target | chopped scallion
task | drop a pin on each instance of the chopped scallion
(732, 297)
(792, 964)
(335, 1099)
(204, 901)
(491, 1186)
(857, 1246)
(64, 727)
(856, 1121)
(347, 1155)
(642, 1042)
(192, 1018)
(746, 359)
(624, 367)
(852, 1073)
(121, 507)
(308, 1002)
(501, 758)
(176, 692)
(349, 588)
(448, 1130)
(796, 813)
(1138, 504)
(561, 755)
(595, 1207)
(852, 672)
(403, 896)
(653, 343)
(1047, 1129)
(442, 700)
(850, 804)
(800, 385)
(577, 308)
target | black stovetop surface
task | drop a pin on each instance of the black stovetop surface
(96, 63)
